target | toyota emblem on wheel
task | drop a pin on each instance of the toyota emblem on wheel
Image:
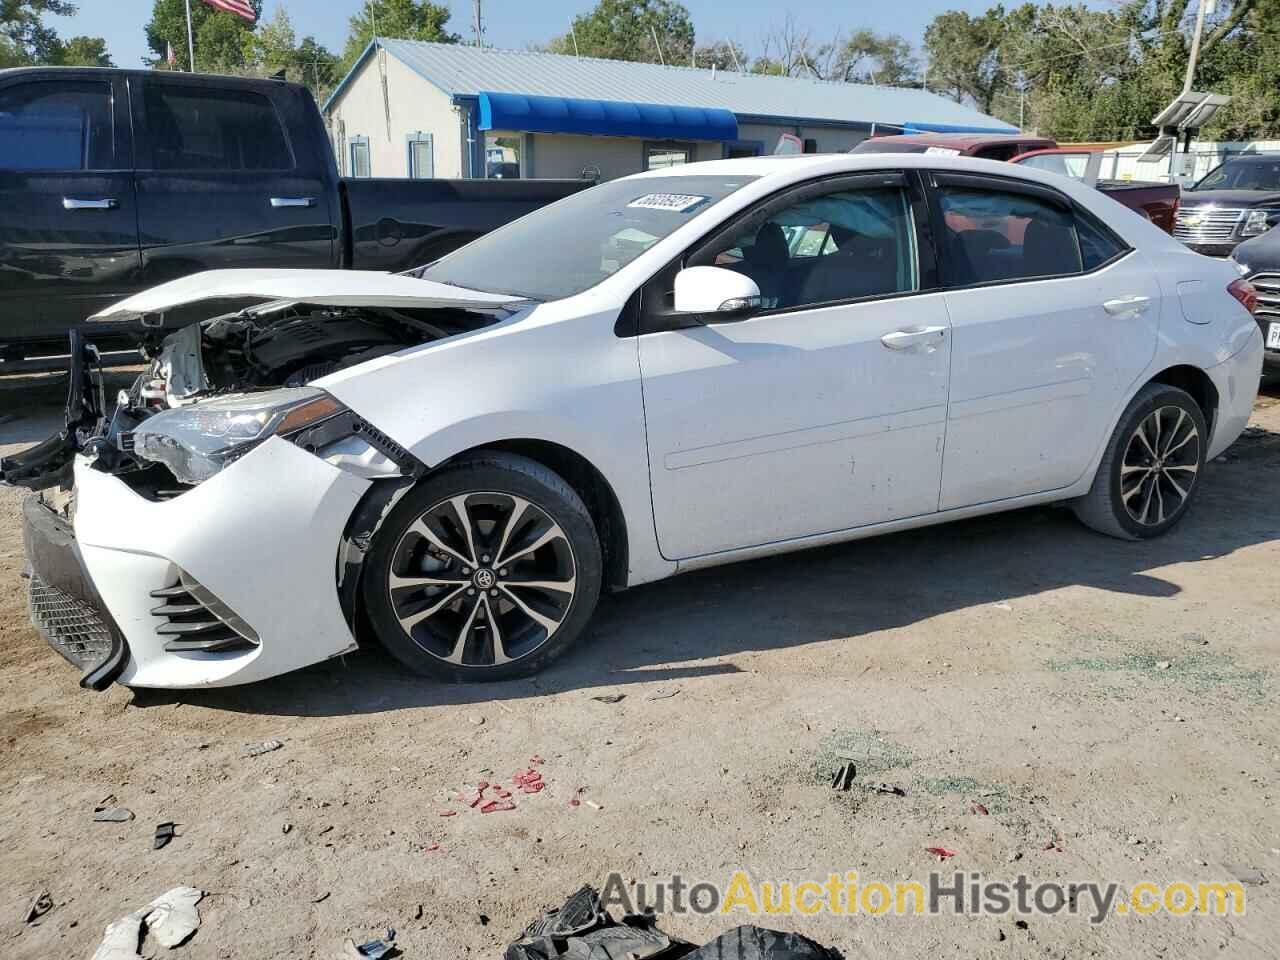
(484, 579)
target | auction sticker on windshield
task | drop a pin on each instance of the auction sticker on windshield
(675, 202)
(1273, 336)
(942, 152)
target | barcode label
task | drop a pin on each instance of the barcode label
(675, 202)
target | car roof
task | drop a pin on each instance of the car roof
(1254, 158)
(802, 167)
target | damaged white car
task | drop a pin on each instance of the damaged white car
(668, 371)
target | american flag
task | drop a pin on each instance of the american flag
(241, 8)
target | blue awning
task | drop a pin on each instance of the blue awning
(606, 118)
(913, 127)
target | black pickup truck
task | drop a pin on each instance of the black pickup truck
(112, 181)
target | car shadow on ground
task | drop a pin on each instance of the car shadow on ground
(696, 625)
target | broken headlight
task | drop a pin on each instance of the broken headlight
(198, 440)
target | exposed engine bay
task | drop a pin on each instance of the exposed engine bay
(222, 371)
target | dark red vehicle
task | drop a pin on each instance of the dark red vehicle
(1158, 202)
(984, 146)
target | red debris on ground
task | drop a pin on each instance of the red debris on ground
(534, 787)
(942, 853)
(494, 806)
(524, 777)
(980, 809)
(448, 813)
(474, 798)
(577, 797)
(431, 849)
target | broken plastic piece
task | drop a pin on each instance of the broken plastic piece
(448, 813)
(980, 809)
(40, 904)
(431, 849)
(888, 788)
(258, 749)
(113, 815)
(172, 918)
(535, 787)
(942, 853)
(842, 779)
(164, 833)
(576, 800)
(496, 806)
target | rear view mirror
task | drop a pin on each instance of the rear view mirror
(720, 295)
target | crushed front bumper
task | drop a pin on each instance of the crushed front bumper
(65, 605)
(232, 581)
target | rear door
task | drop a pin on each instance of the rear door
(222, 184)
(68, 223)
(1054, 318)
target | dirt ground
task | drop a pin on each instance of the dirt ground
(1116, 702)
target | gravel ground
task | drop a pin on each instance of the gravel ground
(1114, 702)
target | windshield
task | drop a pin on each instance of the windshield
(572, 245)
(1071, 165)
(1243, 175)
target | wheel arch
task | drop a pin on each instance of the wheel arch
(1195, 382)
(588, 482)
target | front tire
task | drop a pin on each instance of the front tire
(489, 569)
(1151, 468)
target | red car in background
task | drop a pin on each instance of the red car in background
(1158, 202)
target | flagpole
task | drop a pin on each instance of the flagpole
(191, 45)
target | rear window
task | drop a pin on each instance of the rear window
(880, 146)
(194, 128)
(56, 125)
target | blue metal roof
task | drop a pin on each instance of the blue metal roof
(612, 118)
(466, 71)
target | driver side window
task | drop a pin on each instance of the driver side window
(844, 245)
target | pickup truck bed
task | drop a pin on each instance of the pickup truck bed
(113, 181)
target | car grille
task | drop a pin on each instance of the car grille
(71, 626)
(1268, 287)
(1207, 224)
(197, 621)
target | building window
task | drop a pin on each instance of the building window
(358, 151)
(734, 149)
(503, 156)
(422, 160)
(660, 156)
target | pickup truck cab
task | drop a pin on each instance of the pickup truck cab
(1158, 202)
(113, 181)
(1236, 200)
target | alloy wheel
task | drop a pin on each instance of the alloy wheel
(482, 578)
(1160, 466)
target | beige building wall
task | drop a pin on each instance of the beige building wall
(565, 155)
(416, 106)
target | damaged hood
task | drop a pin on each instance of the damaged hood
(338, 288)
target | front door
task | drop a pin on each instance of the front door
(1053, 319)
(825, 410)
(68, 223)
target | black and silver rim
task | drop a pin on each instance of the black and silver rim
(482, 578)
(1160, 466)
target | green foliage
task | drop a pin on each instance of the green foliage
(402, 19)
(885, 59)
(625, 29)
(27, 40)
(221, 39)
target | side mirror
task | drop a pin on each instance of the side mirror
(720, 295)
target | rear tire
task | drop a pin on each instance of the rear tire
(1151, 468)
(489, 569)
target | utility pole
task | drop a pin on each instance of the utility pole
(478, 23)
(574, 33)
(1195, 46)
(191, 44)
(661, 59)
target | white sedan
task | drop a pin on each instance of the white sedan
(677, 369)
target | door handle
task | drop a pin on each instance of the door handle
(106, 203)
(906, 339)
(1127, 306)
(293, 201)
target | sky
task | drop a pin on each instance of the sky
(515, 24)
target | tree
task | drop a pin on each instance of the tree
(403, 19)
(885, 59)
(84, 52)
(221, 38)
(626, 30)
(273, 46)
(788, 50)
(965, 56)
(722, 55)
(26, 39)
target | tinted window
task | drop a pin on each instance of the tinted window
(875, 145)
(1006, 236)
(193, 128)
(840, 246)
(1097, 245)
(570, 246)
(1071, 165)
(61, 125)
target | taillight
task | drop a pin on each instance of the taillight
(1246, 293)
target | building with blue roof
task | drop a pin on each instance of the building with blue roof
(414, 109)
